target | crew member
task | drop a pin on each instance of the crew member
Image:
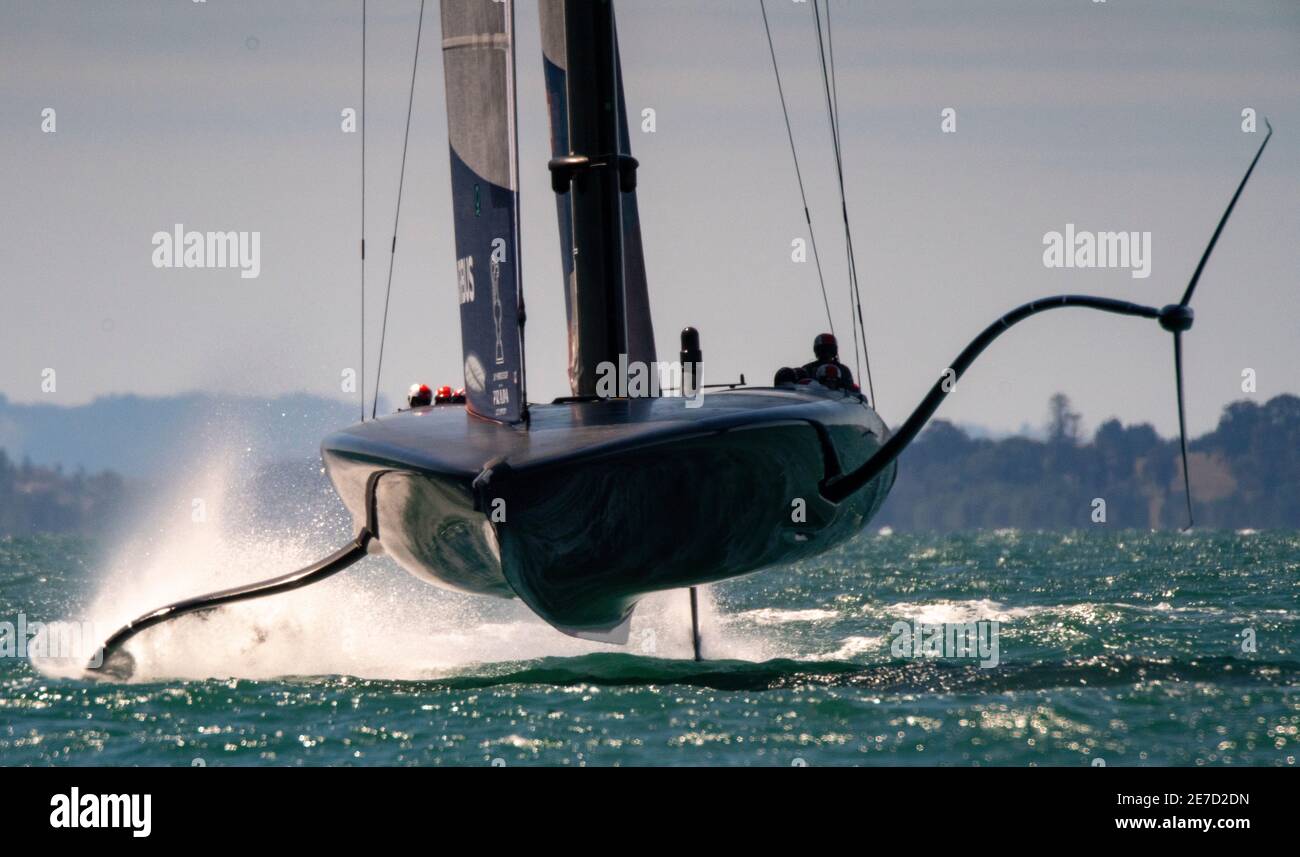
(827, 368)
(785, 375)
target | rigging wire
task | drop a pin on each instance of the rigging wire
(854, 296)
(833, 109)
(397, 214)
(857, 290)
(363, 211)
(812, 237)
(832, 102)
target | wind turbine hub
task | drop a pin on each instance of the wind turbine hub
(1176, 318)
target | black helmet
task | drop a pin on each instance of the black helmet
(825, 346)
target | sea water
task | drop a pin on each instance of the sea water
(1115, 648)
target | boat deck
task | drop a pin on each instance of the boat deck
(448, 440)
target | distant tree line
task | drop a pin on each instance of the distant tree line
(1245, 473)
(46, 500)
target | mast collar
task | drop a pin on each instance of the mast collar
(564, 168)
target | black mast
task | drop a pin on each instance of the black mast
(596, 172)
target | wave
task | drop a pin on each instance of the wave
(854, 647)
(920, 676)
(776, 616)
(944, 611)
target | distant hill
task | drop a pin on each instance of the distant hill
(47, 500)
(1245, 473)
(146, 437)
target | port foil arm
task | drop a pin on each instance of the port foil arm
(111, 659)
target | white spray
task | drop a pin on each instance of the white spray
(372, 621)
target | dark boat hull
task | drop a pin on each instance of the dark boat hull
(600, 503)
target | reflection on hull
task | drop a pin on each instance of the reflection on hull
(601, 503)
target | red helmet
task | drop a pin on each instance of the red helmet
(444, 392)
(419, 395)
(825, 346)
(828, 374)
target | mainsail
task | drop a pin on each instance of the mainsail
(636, 301)
(479, 62)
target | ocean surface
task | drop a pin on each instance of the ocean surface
(1115, 648)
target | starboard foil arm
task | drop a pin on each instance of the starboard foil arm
(112, 659)
(836, 489)
(1174, 318)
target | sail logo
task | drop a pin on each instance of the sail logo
(475, 374)
(465, 279)
(497, 310)
(947, 640)
(501, 382)
(192, 249)
(73, 810)
(1080, 249)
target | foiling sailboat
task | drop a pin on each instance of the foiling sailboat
(582, 506)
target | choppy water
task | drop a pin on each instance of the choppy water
(1126, 647)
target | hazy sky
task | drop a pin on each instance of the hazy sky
(225, 115)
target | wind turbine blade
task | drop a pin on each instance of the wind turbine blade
(1182, 421)
(1196, 276)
